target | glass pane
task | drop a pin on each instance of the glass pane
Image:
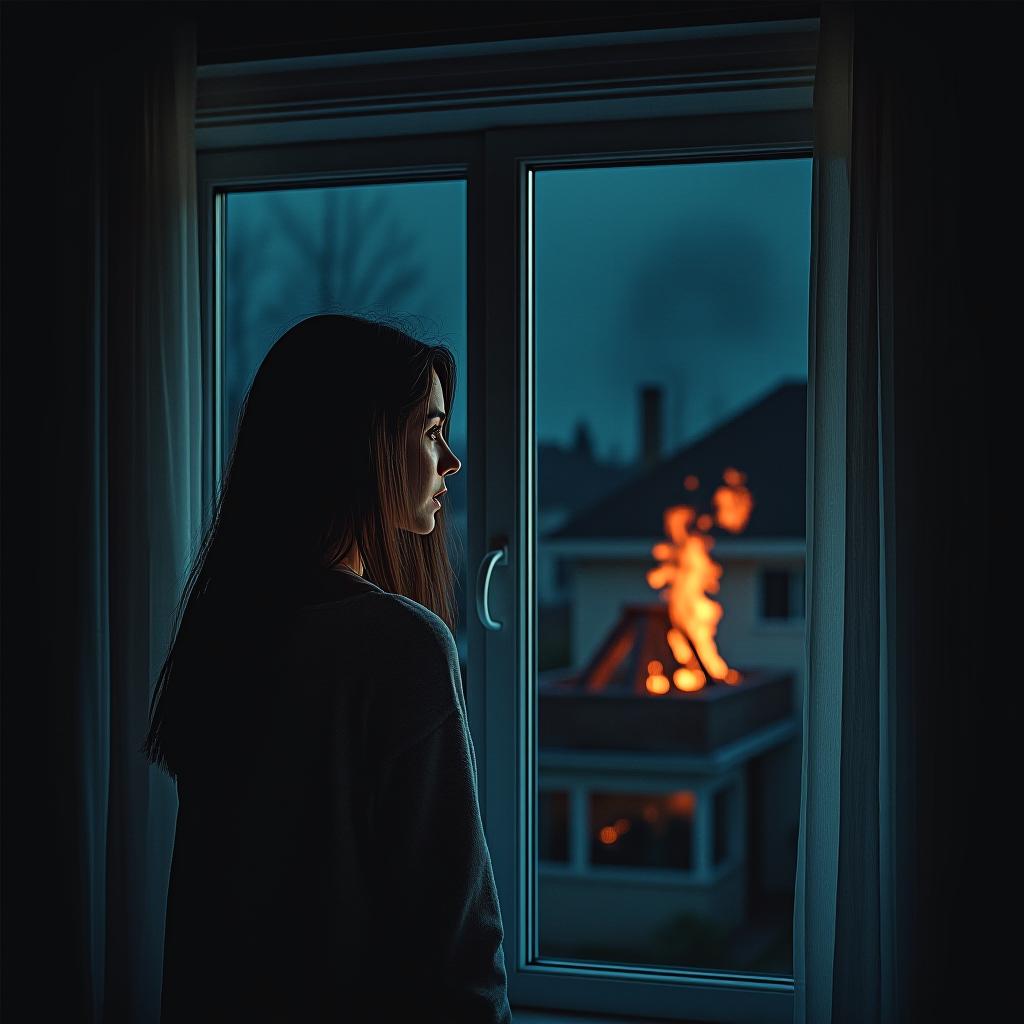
(553, 826)
(670, 328)
(396, 249)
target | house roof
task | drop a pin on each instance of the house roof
(766, 441)
(573, 480)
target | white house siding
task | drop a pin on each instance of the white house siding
(602, 587)
(745, 640)
(581, 909)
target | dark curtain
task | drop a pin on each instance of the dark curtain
(907, 258)
(102, 379)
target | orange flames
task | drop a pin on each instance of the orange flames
(689, 574)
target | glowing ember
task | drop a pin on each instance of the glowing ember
(733, 502)
(688, 574)
(688, 679)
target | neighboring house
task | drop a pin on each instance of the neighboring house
(569, 480)
(605, 548)
(728, 813)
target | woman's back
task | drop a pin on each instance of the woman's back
(329, 861)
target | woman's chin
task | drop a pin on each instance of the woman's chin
(424, 524)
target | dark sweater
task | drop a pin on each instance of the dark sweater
(338, 870)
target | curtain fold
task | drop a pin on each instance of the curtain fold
(815, 902)
(144, 491)
(894, 675)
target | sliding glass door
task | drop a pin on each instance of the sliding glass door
(627, 302)
(670, 353)
(647, 376)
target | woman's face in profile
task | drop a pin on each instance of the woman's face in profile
(430, 460)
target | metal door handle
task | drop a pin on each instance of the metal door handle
(498, 556)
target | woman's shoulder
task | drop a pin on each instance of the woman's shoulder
(417, 680)
(383, 615)
(407, 646)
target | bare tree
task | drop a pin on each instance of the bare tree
(348, 251)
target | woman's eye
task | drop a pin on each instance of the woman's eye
(433, 432)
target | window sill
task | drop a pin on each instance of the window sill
(525, 1016)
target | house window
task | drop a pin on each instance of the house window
(782, 594)
(650, 831)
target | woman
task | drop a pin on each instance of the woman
(329, 861)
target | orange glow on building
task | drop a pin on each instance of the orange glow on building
(609, 663)
(682, 804)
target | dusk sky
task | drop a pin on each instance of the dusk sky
(692, 276)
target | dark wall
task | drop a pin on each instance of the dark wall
(318, 28)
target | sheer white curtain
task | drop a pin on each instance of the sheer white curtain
(144, 502)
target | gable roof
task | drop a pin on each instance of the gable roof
(767, 441)
(573, 480)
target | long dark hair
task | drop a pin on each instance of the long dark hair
(318, 465)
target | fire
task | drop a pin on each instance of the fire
(733, 502)
(657, 682)
(689, 574)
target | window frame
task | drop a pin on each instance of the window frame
(512, 156)
(794, 597)
(727, 94)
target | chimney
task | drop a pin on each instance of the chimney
(650, 424)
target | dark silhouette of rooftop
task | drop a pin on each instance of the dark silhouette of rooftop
(766, 441)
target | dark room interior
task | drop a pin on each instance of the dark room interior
(903, 909)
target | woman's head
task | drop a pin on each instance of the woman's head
(339, 449)
(331, 453)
